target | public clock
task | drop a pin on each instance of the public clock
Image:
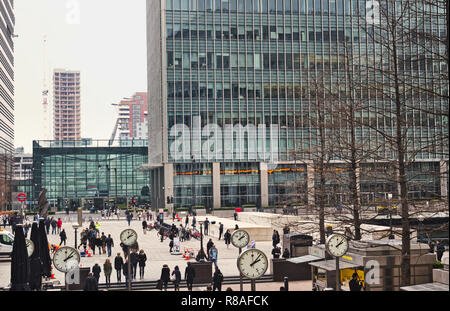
(66, 259)
(30, 247)
(337, 245)
(128, 237)
(253, 263)
(240, 238)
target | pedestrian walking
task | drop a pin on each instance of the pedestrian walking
(129, 217)
(176, 278)
(109, 244)
(118, 265)
(206, 226)
(142, 258)
(208, 246)
(186, 223)
(134, 258)
(165, 276)
(220, 230)
(189, 275)
(47, 223)
(227, 238)
(107, 269)
(63, 237)
(54, 224)
(103, 239)
(235, 216)
(125, 249)
(59, 225)
(125, 270)
(91, 283)
(98, 243)
(217, 279)
(144, 226)
(194, 221)
(96, 270)
(213, 255)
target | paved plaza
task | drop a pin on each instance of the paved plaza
(157, 252)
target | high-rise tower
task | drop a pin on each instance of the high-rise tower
(66, 103)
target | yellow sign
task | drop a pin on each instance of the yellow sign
(348, 258)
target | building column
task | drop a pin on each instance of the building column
(310, 184)
(168, 185)
(264, 183)
(443, 166)
(216, 185)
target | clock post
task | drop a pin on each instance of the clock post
(129, 238)
(337, 246)
(241, 279)
(338, 276)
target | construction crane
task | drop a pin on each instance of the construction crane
(45, 92)
(113, 136)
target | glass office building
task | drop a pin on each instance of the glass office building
(231, 99)
(92, 170)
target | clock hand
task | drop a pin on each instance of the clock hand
(256, 260)
(342, 241)
(71, 255)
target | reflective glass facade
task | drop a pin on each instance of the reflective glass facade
(237, 89)
(89, 169)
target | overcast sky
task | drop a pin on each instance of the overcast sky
(106, 41)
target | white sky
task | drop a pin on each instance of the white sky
(108, 46)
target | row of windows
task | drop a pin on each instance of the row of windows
(257, 33)
(272, 61)
(317, 7)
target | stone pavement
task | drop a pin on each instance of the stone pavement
(157, 252)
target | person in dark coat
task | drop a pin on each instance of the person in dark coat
(96, 270)
(109, 244)
(276, 252)
(125, 249)
(142, 258)
(165, 276)
(354, 284)
(235, 216)
(286, 254)
(220, 230)
(189, 275)
(176, 272)
(217, 280)
(98, 243)
(54, 223)
(63, 237)
(47, 225)
(134, 257)
(118, 265)
(91, 283)
(125, 270)
(144, 226)
(206, 226)
(208, 246)
(275, 238)
(227, 238)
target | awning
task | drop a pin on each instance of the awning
(330, 265)
(427, 287)
(303, 259)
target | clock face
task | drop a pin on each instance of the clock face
(66, 259)
(337, 245)
(240, 238)
(30, 247)
(253, 263)
(128, 237)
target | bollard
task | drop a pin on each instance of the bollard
(286, 283)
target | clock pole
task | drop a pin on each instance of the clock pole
(338, 275)
(253, 284)
(241, 280)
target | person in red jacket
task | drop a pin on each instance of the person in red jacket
(59, 225)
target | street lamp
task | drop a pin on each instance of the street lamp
(391, 235)
(76, 226)
(202, 255)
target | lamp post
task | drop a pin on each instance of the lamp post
(391, 235)
(76, 226)
(202, 255)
